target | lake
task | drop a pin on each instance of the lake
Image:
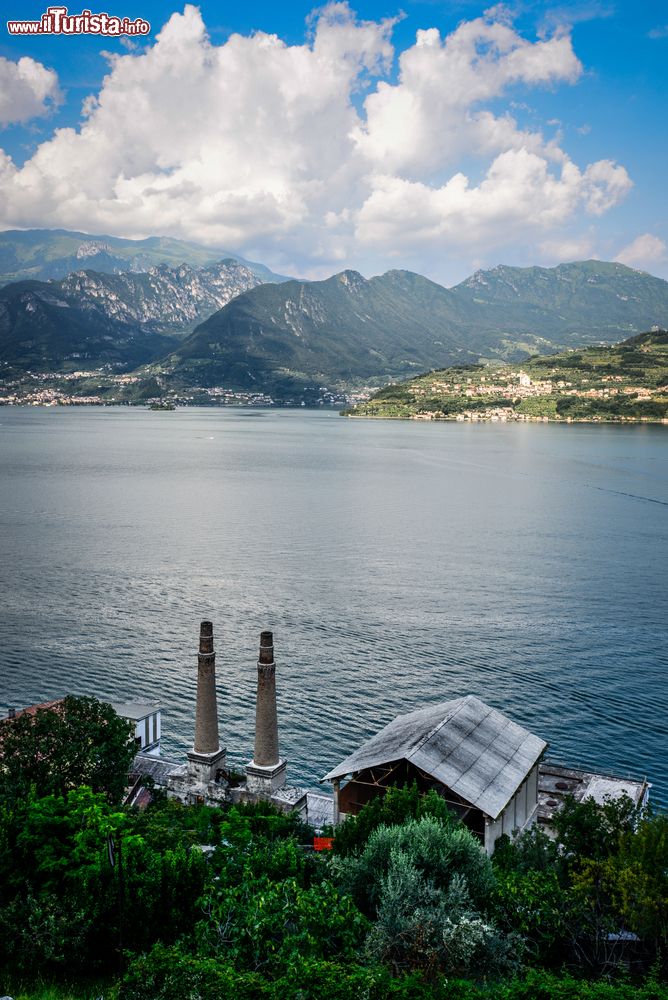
(398, 563)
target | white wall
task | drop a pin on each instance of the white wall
(519, 814)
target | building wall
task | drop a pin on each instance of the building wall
(520, 813)
(148, 730)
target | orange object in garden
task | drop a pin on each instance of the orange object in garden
(323, 843)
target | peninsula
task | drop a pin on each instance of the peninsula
(627, 382)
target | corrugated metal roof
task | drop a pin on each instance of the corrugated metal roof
(476, 751)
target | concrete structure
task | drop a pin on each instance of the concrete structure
(484, 765)
(146, 719)
(207, 757)
(556, 781)
(203, 778)
(266, 772)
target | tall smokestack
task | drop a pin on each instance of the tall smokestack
(206, 718)
(266, 720)
(266, 772)
(206, 758)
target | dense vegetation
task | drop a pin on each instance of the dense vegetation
(214, 903)
(625, 382)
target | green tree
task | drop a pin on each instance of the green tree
(589, 830)
(58, 894)
(79, 741)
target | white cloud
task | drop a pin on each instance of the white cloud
(519, 194)
(644, 252)
(432, 115)
(27, 90)
(267, 148)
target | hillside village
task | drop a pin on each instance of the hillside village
(628, 382)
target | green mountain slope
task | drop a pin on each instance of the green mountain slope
(568, 305)
(125, 319)
(347, 329)
(339, 330)
(626, 382)
(43, 254)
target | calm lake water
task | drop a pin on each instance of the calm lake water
(397, 563)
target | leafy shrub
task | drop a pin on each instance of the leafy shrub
(438, 851)
(267, 926)
(171, 974)
(397, 805)
(427, 886)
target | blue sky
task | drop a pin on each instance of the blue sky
(425, 135)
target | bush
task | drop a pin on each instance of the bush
(170, 974)
(427, 886)
(268, 926)
(436, 850)
(396, 806)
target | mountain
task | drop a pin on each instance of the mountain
(343, 329)
(347, 328)
(41, 254)
(626, 382)
(283, 338)
(568, 305)
(111, 318)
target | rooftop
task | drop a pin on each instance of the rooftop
(473, 749)
(555, 782)
(135, 710)
(33, 709)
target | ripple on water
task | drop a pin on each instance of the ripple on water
(397, 564)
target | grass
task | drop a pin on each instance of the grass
(51, 991)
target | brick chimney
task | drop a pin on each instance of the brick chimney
(206, 757)
(266, 772)
(206, 718)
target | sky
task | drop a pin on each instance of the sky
(441, 137)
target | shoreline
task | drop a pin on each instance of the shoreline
(513, 420)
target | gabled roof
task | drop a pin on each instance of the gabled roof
(475, 751)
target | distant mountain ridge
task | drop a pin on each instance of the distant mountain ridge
(349, 328)
(598, 299)
(44, 254)
(337, 330)
(127, 318)
(223, 325)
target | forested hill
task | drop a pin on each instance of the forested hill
(348, 329)
(625, 382)
(569, 305)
